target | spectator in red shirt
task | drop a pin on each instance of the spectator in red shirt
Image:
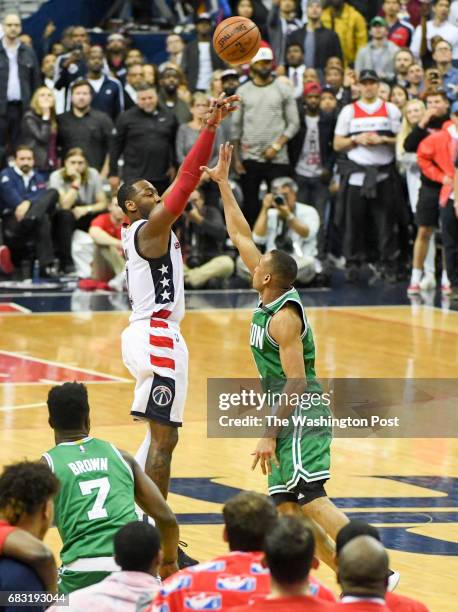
(289, 552)
(394, 602)
(105, 231)
(234, 578)
(26, 513)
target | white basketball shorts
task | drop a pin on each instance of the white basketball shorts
(155, 353)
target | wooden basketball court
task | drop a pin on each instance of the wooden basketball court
(407, 487)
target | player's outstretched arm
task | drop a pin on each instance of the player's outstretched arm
(237, 226)
(151, 501)
(174, 200)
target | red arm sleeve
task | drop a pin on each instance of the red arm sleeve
(190, 173)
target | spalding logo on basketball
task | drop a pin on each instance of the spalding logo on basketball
(162, 396)
(236, 40)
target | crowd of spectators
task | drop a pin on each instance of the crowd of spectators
(341, 103)
(269, 566)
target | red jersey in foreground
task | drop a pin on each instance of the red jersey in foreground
(227, 581)
(304, 603)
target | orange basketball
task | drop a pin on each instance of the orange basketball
(236, 40)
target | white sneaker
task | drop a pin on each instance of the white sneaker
(393, 580)
(428, 283)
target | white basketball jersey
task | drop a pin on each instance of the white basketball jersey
(155, 286)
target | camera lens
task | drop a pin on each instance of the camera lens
(279, 200)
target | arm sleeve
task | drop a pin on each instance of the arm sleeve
(190, 173)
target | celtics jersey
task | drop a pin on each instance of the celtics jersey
(95, 499)
(266, 351)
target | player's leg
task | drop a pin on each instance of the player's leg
(164, 438)
(325, 548)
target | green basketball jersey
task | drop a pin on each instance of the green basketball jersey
(95, 499)
(266, 351)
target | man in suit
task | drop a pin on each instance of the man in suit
(319, 43)
(20, 76)
(199, 57)
(25, 205)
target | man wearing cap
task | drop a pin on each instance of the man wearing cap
(366, 131)
(379, 53)
(170, 78)
(312, 156)
(318, 43)
(265, 121)
(199, 57)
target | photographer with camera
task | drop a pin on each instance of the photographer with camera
(203, 237)
(289, 226)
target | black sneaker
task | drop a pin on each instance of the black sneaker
(184, 560)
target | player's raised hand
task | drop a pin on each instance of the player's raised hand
(220, 108)
(220, 172)
(265, 454)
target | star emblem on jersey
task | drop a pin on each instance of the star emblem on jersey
(163, 269)
(165, 295)
(165, 282)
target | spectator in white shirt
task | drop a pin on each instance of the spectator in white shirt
(438, 26)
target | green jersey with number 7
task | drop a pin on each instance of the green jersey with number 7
(96, 496)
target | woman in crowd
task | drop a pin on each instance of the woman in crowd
(81, 199)
(216, 86)
(399, 96)
(188, 132)
(39, 130)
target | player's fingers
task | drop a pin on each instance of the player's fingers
(263, 465)
(204, 169)
(255, 461)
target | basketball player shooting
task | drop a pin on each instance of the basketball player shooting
(153, 349)
(284, 351)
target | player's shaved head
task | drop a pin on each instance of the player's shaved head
(363, 567)
(284, 268)
(127, 192)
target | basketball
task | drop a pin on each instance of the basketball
(236, 40)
